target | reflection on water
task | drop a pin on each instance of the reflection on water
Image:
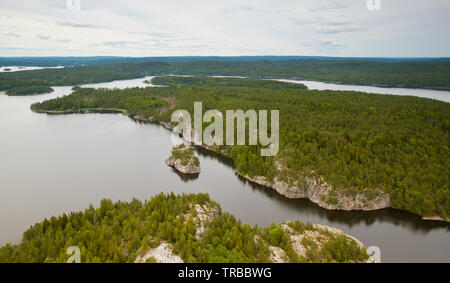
(51, 164)
(352, 218)
(347, 218)
(185, 177)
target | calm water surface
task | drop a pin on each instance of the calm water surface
(50, 164)
(427, 93)
(24, 68)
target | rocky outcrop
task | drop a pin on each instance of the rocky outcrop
(185, 165)
(319, 235)
(161, 254)
(205, 215)
(277, 255)
(318, 191)
(202, 216)
(185, 169)
(435, 218)
(323, 194)
(308, 243)
(315, 190)
(83, 110)
(336, 232)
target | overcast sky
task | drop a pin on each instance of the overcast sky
(402, 28)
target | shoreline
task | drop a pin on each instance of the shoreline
(367, 85)
(292, 192)
(439, 89)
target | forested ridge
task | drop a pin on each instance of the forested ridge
(70, 76)
(357, 142)
(29, 90)
(415, 74)
(122, 231)
(420, 74)
(97, 60)
(224, 82)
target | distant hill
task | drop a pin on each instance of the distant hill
(71, 61)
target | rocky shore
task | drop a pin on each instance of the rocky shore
(323, 194)
(183, 160)
(304, 242)
(315, 190)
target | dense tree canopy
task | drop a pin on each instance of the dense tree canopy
(357, 142)
(119, 232)
(29, 90)
(70, 76)
(224, 82)
(419, 74)
(185, 154)
(415, 74)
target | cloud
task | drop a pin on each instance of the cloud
(337, 29)
(47, 38)
(241, 9)
(233, 27)
(164, 35)
(322, 44)
(118, 43)
(334, 5)
(12, 34)
(10, 48)
(43, 37)
(320, 21)
(304, 21)
(77, 25)
(323, 26)
(64, 40)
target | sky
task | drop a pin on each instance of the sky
(394, 28)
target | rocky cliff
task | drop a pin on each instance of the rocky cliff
(323, 194)
(183, 160)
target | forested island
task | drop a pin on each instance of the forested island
(28, 90)
(434, 74)
(341, 149)
(182, 158)
(173, 228)
(80, 75)
(224, 82)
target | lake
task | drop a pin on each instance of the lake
(51, 164)
(25, 68)
(426, 93)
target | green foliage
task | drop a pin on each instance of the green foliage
(185, 154)
(224, 82)
(356, 141)
(340, 249)
(29, 90)
(112, 232)
(419, 74)
(299, 227)
(133, 101)
(80, 75)
(119, 232)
